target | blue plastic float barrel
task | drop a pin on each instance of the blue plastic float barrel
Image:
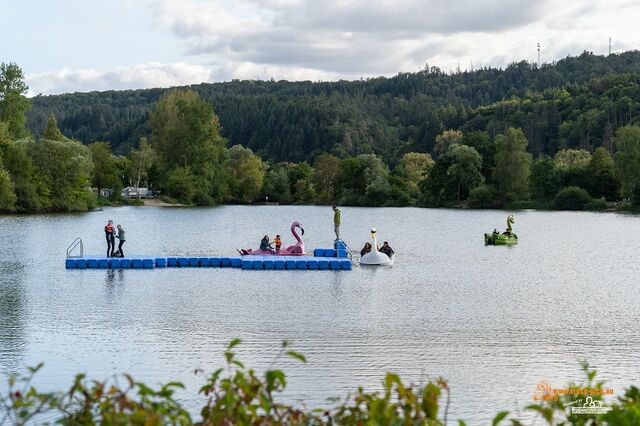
(246, 263)
(268, 262)
(279, 262)
(345, 264)
(257, 262)
(312, 263)
(290, 263)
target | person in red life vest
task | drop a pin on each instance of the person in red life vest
(110, 235)
(278, 242)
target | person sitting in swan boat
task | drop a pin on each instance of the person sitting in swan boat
(386, 249)
(366, 249)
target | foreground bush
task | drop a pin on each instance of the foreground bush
(242, 397)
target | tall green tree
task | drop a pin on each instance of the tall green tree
(301, 181)
(364, 181)
(246, 174)
(545, 180)
(465, 169)
(601, 175)
(413, 167)
(13, 103)
(512, 169)
(20, 166)
(105, 172)
(572, 158)
(51, 131)
(7, 193)
(276, 184)
(445, 139)
(627, 160)
(186, 135)
(61, 173)
(142, 159)
(481, 142)
(326, 174)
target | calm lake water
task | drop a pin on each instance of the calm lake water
(494, 321)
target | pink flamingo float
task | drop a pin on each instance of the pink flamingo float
(295, 250)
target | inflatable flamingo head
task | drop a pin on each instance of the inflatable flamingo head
(295, 225)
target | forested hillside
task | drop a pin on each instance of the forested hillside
(578, 102)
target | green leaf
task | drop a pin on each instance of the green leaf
(297, 356)
(285, 344)
(36, 368)
(233, 343)
(499, 417)
(430, 396)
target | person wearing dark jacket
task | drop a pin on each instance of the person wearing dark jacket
(122, 239)
(386, 249)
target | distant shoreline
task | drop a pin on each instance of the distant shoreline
(155, 202)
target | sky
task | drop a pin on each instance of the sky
(80, 46)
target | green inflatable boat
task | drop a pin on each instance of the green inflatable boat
(507, 238)
(500, 239)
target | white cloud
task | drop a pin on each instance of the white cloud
(354, 38)
(321, 40)
(141, 76)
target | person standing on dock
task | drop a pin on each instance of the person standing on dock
(336, 221)
(109, 234)
(122, 240)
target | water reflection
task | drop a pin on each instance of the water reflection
(114, 280)
(492, 320)
(13, 306)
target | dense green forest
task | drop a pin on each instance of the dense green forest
(564, 135)
(577, 102)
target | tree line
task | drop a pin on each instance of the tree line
(576, 103)
(184, 154)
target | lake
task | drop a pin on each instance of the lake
(494, 321)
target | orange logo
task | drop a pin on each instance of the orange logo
(544, 391)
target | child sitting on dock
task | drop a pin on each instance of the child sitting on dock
(278, 242)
